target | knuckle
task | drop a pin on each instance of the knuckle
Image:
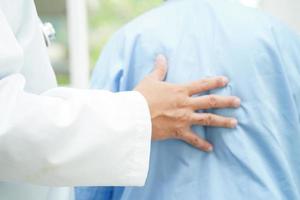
(186, 117)
(178, 133)
(190, 139)
(194, 141)
(212, 100)
(179, 128)
(180, 95)
(184, 103)
(182, 116)
(199, 143)
(209, 119)
(202, 120)
(180, 90)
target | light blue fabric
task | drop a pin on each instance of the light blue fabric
(258, 160)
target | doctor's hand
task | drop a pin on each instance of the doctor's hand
(173, 109)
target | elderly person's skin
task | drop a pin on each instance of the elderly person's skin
(173, 109)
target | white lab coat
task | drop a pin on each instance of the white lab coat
(57, 136)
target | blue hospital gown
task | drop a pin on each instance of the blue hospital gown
(258, 160)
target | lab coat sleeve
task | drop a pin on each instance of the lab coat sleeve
(109, 75)
(67, 137)
(73, 137)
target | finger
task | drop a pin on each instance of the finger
(214, 101)
(208, 119)
(160, 68)
(204, 85)
(196, 141)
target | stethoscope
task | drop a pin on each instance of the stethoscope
(48, 32)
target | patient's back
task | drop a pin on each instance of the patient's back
(260, 159)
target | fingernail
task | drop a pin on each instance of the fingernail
(233, 123)
(225, 80)
(210, 149)
(237, 102)
(161, 58)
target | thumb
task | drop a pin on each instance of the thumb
(160, 68)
